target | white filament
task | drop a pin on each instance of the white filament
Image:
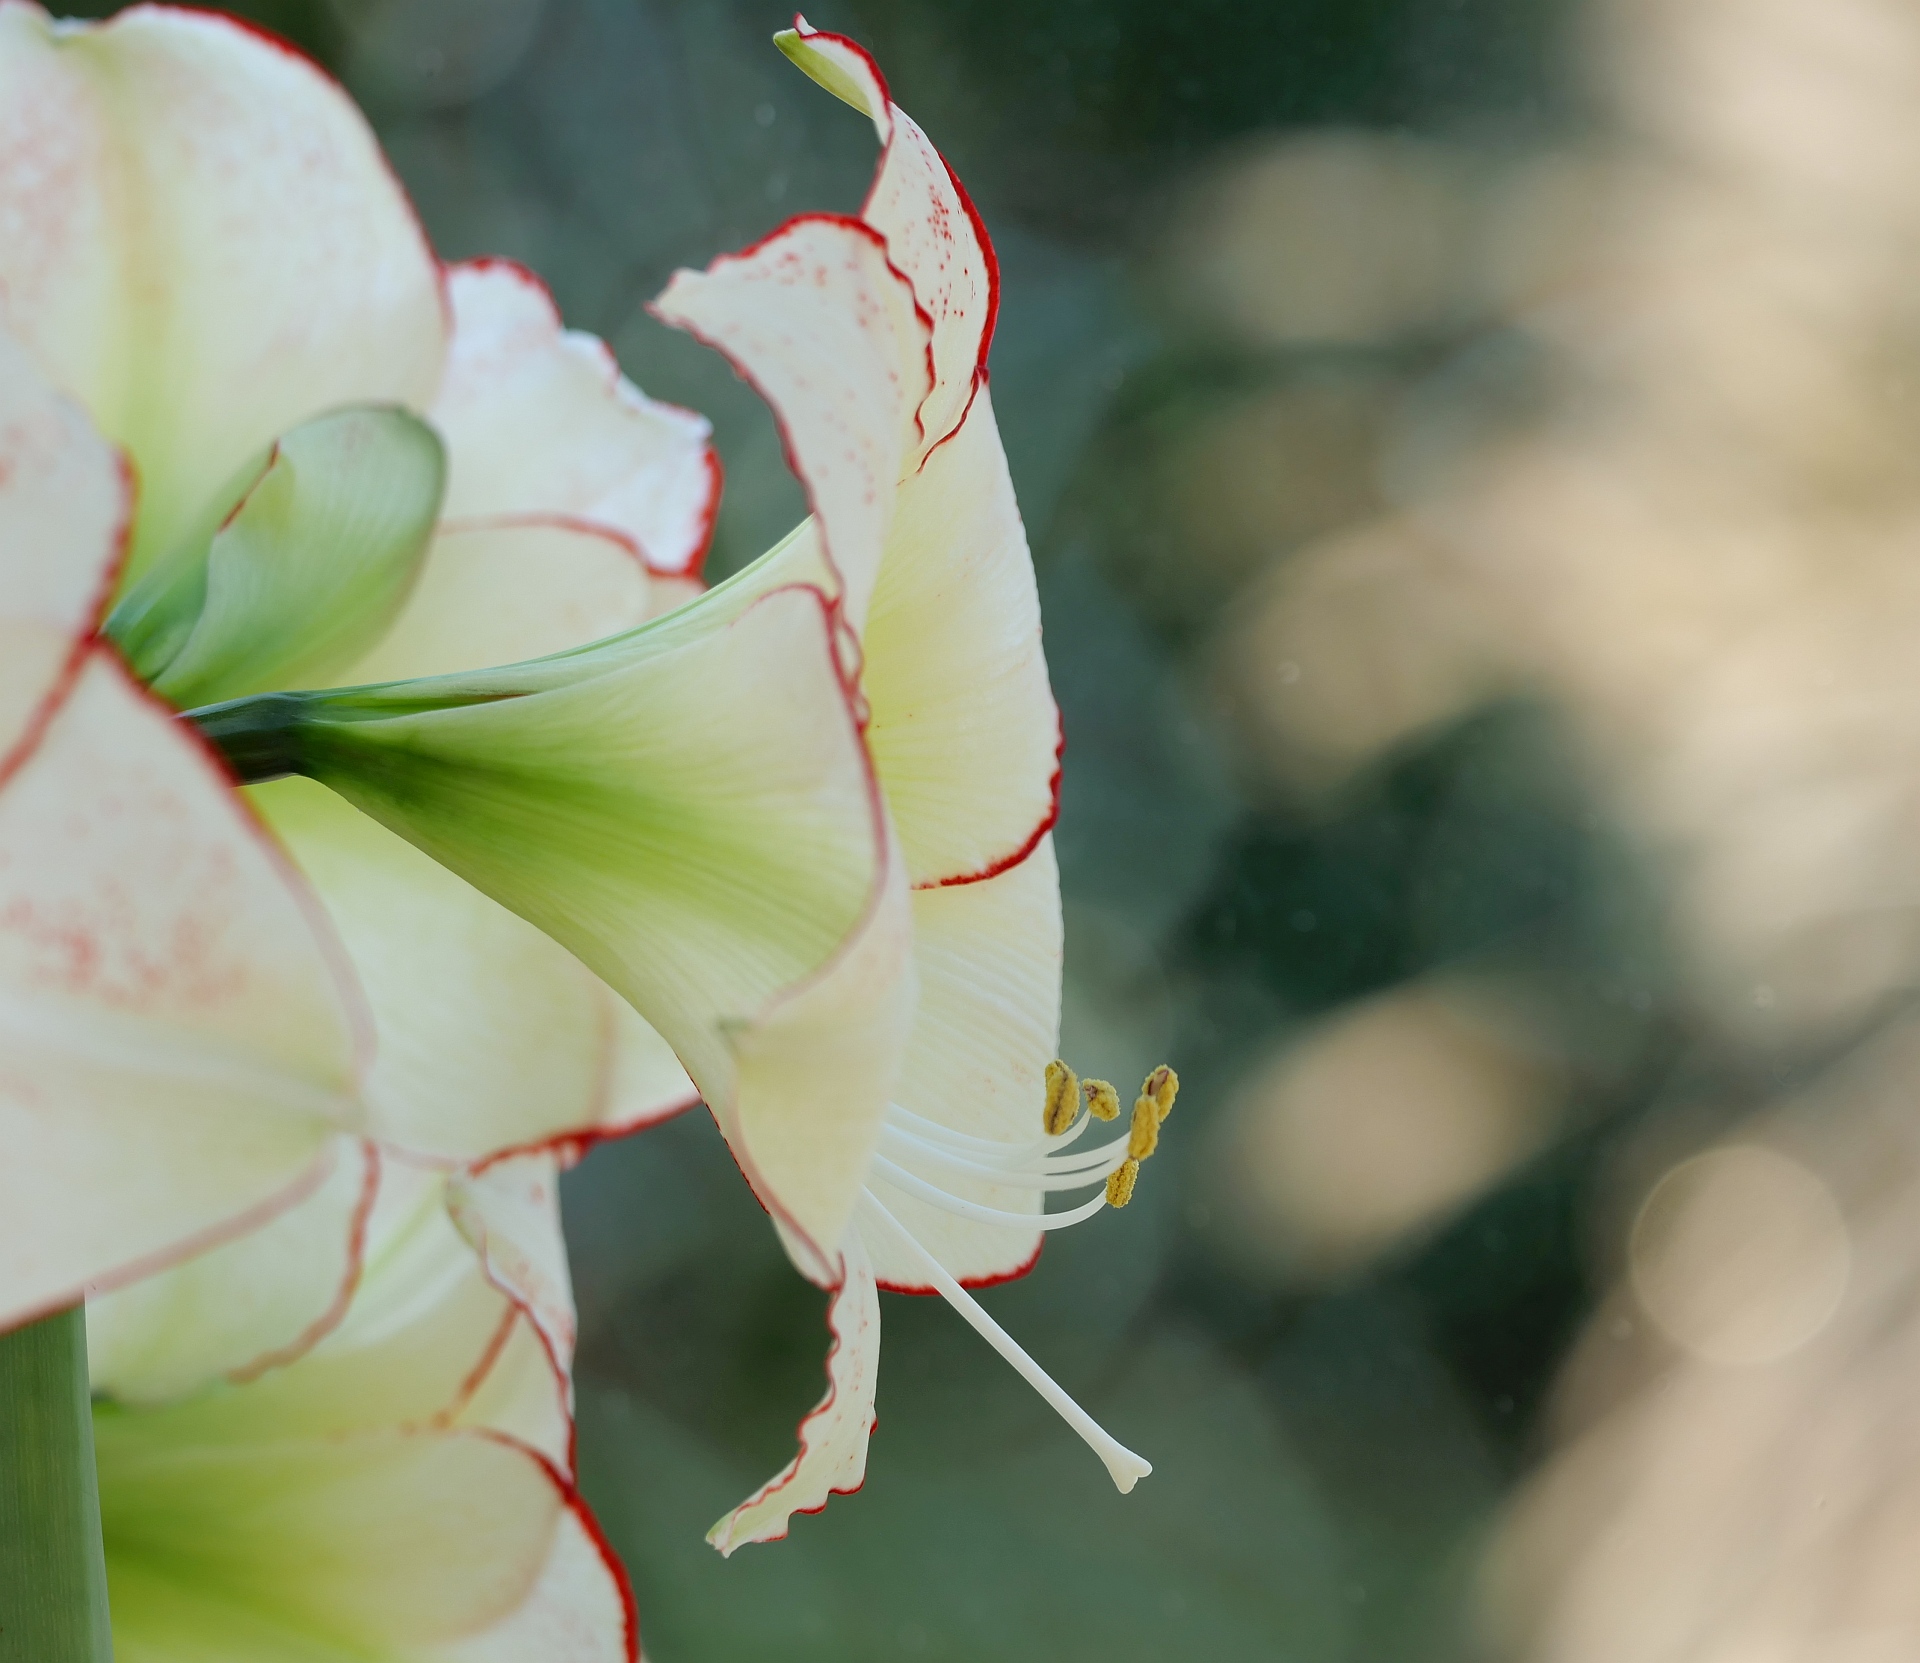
(1126, 1468)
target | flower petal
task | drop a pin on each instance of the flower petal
(540, 421)
(833, 1439)
(430, 1340)
(202, 244)
(509, 1214)
(933, 232)
(829, 333)
(965, 732)
(497, 594)
(690, 809)
(179, 1036)
(310, 569)
(989, 956)
(490, 1035)
(391, 1545)
(244, 1306)
(65, 499)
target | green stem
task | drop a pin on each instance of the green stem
(53, 1571)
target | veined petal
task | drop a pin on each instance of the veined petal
(180, 1038)
(499, 593)
(828, 331)
(989, 957)
(833, 1439)
(200, 241)
(490, 1035)
(691, 810)
(394, 1546)
(648, 1083)
(539, 421)
(432, 1339)
(65, 501)
(933, 232)
(965, 732)
(509, 1214)
(242, 1307)
(311, 568)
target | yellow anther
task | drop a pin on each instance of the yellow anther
(1120, 1183)
(1143, 1137)
(1063, 1099)
(1103, 1102)
(1163, 1085)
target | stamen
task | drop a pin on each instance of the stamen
(1068, 1173)
(1120, 1185)
(1063, 1093)
(995, 1148)
(902, 1179)
(1103, 1102)
(1126, 1468)
(1143, 1137)
(1162, 1085)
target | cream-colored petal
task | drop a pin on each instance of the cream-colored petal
(64, 505)
(200, 241)
(965, 732)
(386, 1545)
(242, 1307)
(933, 233)
(989, 958)
(828, 332)
(691, 810)
(430, 1340)
(497, 594)
(490, 1035)
(539, 421)
(833, 1439)
(509, 1214)
(179, 1031)
(648, 1083)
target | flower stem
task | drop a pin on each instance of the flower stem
(53, 1572)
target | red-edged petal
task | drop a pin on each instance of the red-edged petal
(181, 1034)
(539, 421)
(828, 331)
(65, 502)
(934, 234)
(964, 730)
(989, 959)
(833, 1439)
(246, 1306)
(201, 242)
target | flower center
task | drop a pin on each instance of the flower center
(1045, 1165)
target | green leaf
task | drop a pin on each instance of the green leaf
(307, 573)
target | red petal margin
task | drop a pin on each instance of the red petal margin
(987, 251)
(346, 982)
(785, 1475)
(336, 1312)
(573, 1502)
(993, 1281)
(695, 563)
(787, 451)
(1048, 820)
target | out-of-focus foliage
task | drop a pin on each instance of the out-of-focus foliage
(1468, 449)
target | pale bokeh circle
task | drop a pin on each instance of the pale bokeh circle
(1740, 1255)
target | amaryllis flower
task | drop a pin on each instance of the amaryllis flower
(404, 1489)
(891, 1114)
(336, 462)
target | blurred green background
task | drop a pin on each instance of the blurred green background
(1361, 844)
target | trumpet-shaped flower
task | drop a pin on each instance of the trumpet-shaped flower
(342, 464)
(920, 529)
(401, 1491)
(889, 1115)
